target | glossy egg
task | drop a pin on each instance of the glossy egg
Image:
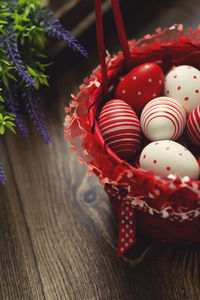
(140, 85)
(183, 84)
(168, 157)
(193, 126)
(163, 118)
(120, 128)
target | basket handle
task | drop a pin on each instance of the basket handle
(101, 45)
(129, 221)
(121, 32)
(100, 40)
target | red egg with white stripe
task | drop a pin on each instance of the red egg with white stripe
(140, 85)
(163, 118)
(193, 126)
(120, 128)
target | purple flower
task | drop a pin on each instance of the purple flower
(2, 176)
(13, 106)
(54, 29)
(14, 57)
(31, 105)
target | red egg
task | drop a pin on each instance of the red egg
(140, 85)
(193, 126)
(120, 128)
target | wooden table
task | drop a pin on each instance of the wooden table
(58, 233)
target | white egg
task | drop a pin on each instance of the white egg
(193, 126)
(163, 118)
(168, 157)
(183, 84)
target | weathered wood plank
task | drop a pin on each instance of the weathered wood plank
(19, 276)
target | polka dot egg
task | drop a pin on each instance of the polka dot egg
(168, 157)
(140, 85)
(120, 128)
(183, 84)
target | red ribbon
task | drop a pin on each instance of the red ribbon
(126, 214)
(126, 228)
(100, 45)
(121, 32)
(126, 219)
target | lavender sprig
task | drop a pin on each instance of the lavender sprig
(15, 59)
(31, 105)
(2, 176)
(13, 106)
(22, 44)
(54, 29)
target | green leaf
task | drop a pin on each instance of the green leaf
(3, 22)
(5, 62)
(5, 80)
(11, 76)
(11, 127)
(2, 129)
(32, 71)
(11, 115)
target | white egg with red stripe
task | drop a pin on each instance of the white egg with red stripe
(120, 128)
(163, 118)
(193, 126)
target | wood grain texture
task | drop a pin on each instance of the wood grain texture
(58, 233)
(19, 275)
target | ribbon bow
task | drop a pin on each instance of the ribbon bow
(126, 219)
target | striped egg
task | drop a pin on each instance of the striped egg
(120, 128)
(163, 118)
(193, 126)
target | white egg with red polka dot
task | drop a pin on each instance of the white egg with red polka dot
(168, 157)
(183, 84)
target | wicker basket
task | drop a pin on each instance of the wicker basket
(167, 210)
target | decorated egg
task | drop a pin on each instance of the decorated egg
(120, 128)
(183, 84)
(168, 157)
(140, 85)
(193, 126)
(163, 118)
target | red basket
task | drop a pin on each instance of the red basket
(167, 210)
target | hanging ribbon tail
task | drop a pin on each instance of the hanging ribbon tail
(127, 230)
